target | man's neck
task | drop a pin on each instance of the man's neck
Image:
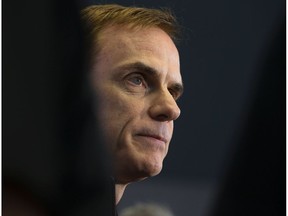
(119, 190)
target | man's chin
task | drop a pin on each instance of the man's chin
(137, 175)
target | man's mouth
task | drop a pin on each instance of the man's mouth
(154, 136)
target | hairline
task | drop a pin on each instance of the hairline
(164, 20)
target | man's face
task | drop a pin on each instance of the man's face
(136, 77)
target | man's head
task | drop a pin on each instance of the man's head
(135, 74)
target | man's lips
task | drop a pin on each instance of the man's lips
(154, 136)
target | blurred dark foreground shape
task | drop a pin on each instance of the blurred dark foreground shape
(52, 160)
(255, 182)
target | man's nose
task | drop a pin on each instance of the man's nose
(164, 107)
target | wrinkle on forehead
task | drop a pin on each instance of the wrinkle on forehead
(135, 37)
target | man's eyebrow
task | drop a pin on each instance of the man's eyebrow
(139, 66)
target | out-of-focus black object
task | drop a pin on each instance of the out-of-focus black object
(255, 183)
(52, 159)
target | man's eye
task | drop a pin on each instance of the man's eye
(174, 94)
(136, 80)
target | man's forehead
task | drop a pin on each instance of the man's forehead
(127, 39)
(129, 33)
(135, 48)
